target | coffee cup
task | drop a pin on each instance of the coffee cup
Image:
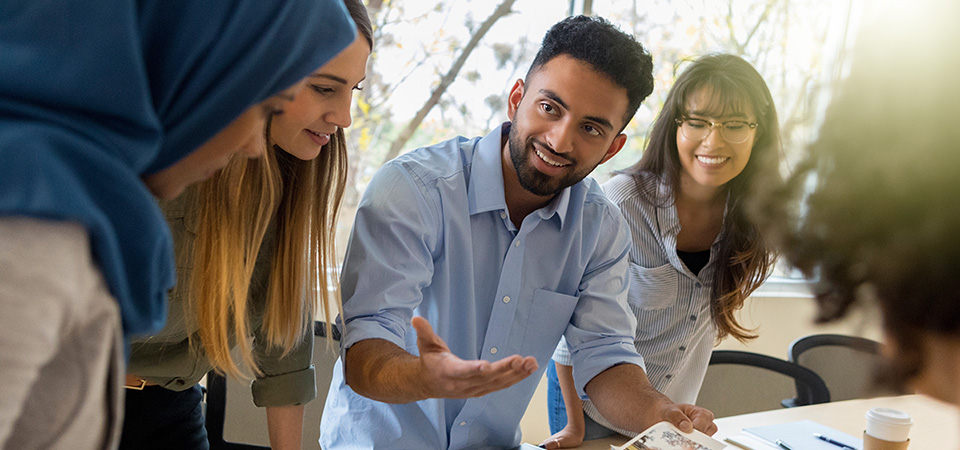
(887, 429)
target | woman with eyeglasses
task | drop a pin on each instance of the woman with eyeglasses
(696, 256)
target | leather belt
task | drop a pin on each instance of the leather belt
(136, 383)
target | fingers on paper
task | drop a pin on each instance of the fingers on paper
(675, 415)
(702, 418)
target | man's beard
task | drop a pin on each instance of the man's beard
(534, 181)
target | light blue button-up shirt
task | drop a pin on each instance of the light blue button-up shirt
(675, 332)
(433, 237)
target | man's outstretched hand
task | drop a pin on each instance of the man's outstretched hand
(380, 370)
(444, 375)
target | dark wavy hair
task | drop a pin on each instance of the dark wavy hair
(745, 256)
(361, 18)
(882, 223)
(597, 42)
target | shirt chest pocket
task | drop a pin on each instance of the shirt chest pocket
(653, 288)
(548, 318)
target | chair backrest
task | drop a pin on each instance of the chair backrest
(739, 382)
(233, 422)
(845, 363)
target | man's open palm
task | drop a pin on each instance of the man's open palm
(447, 376)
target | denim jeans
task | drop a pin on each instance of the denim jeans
(557, 411)
(158, 418)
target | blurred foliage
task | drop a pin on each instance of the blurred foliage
(798, 46)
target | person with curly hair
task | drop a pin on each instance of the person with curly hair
(880, 226)
(502, 245)
(696, 256)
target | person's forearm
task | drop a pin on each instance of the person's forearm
(571, 400)
(378, 369)
(624, 396)
(285, 426)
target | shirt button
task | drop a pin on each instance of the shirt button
(693, 318)
(668, 376)
(503, 215)
(462, 423)
(506, 299)
(698, 285)
(493, 350)
(516, 244)
(683, 348)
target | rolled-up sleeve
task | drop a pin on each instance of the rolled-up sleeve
(389, 258)
(600, 334)
(287, 379)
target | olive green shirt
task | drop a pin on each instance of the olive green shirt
(167, 359)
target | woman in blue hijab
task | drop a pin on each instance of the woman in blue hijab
(95, 95)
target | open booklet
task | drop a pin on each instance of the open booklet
(665, 436)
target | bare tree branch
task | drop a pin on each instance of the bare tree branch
(763, 18)
(447, 80)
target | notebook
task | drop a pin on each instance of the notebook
(801, 435)
(748, 442)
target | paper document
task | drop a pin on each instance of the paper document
(749, 443)
(801, 435)
(665, 436)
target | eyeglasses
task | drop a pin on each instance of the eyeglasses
(733, 131)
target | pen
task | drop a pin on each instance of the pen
(837, 443)
(784, 445)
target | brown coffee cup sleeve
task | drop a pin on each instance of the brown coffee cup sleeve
(872, 443)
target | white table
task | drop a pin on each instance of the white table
(936, 425)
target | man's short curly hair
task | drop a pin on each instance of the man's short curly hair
(608, 50)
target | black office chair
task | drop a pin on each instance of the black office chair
(845, 363)
(233, 422)
(739, 382)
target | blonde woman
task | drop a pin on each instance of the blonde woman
(253, 244)
(101, 105)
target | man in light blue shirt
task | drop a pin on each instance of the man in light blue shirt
(502, 245)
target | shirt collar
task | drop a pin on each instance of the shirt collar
(557, 207)
(485, 191)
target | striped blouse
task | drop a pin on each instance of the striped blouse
(675, 333)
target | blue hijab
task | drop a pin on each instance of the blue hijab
(96, 93)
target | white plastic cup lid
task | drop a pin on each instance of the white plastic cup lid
(888, 424)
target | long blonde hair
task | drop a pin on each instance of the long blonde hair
(235, 209)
